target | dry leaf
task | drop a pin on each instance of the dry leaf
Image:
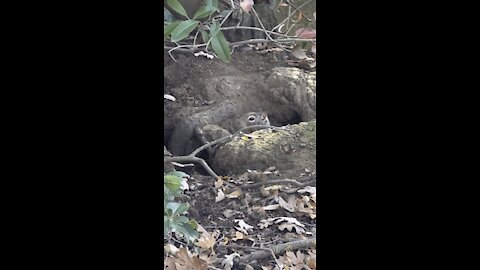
(228, 213)
(290, 206)
(219, 183)
(185, 260)
(237, 193)
(311, 190)
(298, 52)
(246, 5)
(206, 241)
(170, 264)
(264, 223)
(170, 249)
(220, 196)
(243, 226)
(249, 267)
(228, 262)
(289, 227)
(240, 236)
(271, 207)
(306, 33)
(290, 223)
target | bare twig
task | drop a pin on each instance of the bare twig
(193, 48)
(252, 28)
(261, 24)
(298, 10)
(290, 15)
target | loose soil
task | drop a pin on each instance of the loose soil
(186, 79)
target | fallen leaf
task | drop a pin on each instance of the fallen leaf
(170, 264)
(289, 206)
(219, 183)
(206, 241)
(227, 263)
(289, 224)
(264, 223)
(249, 267)
(235, 194)
(240, 236)
(170, 249)
(228, 213)
(187, 261)
(220, 196)
(290, 227)
(271, 207)
(243, 226)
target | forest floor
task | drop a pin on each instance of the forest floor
(239, 214)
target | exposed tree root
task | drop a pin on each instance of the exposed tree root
(193, 156)
(276, 250)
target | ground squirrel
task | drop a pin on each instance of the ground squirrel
(210, 133)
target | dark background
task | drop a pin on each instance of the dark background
(86, 133)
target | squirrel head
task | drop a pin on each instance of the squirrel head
(256, 118)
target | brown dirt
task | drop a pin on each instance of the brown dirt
(185, 76)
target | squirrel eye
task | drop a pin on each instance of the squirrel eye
(251, 118)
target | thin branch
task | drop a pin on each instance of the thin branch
(193, 48)
(261, 24)
(252, 28)
(298, 10)
(290, 15)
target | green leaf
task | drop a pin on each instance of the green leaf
(172, 182)
(205, 36)
(179, 174)
(221, 46)
(168, 16)
(212, 3)
(183, 30)
(173, 206)
(181, 209)
(214, 28)
(186, 229)
(167, 30)
(180, 220)
(175, 5)
(193, 223)
(204, 12)
(166, 226)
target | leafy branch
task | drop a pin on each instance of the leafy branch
(208, 20)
